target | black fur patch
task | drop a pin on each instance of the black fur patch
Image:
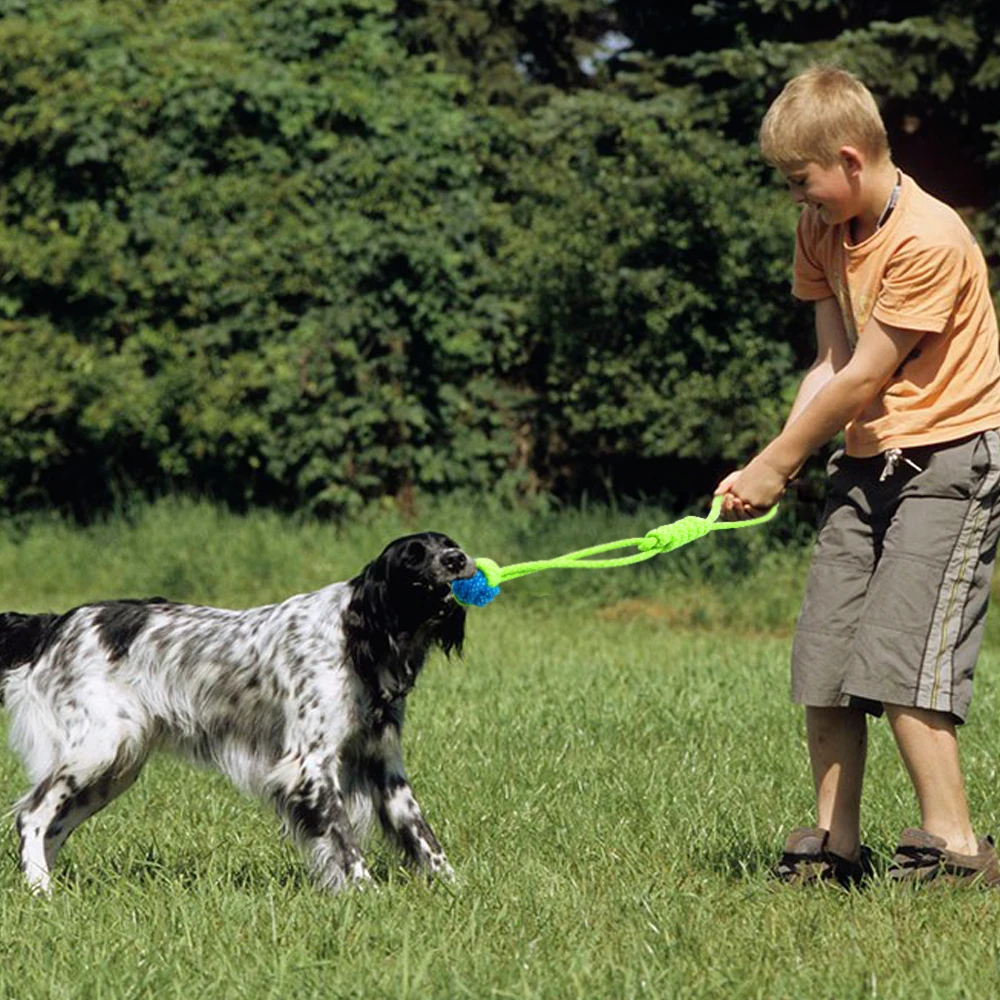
(23, 638)
(399, 609)
(119, 622)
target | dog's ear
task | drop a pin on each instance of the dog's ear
(369, 619)
(398, 610)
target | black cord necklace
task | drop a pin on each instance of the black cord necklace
(886, 212)
(891, 203)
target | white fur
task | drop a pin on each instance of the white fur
(276, 698)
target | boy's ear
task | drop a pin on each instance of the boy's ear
(852, 159)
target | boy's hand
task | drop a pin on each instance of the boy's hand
(752, 491)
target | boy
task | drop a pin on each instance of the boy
(907, 365)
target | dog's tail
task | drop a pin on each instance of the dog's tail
(23, 638)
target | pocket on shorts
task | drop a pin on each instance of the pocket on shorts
(838, 476)
(986, 464)
(834, 462)
(960, 469)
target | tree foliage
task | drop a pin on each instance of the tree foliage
(309, 253)
(932, 64)
(512, 51)
(244, 245)
(655, 292)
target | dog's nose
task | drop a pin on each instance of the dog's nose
(458, 564)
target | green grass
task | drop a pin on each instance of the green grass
(611, 768)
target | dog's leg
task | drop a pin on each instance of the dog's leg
(89, 800)
(35, 818)
(53, 810)
(313, 811)
(96, 759)
(398, 811)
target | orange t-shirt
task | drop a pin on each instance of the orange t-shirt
(923, 270)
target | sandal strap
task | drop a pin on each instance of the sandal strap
(825, 866)
(789, 863)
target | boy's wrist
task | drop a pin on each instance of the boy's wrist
(781, 463)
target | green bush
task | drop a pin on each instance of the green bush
(656, 289)
(244, 244)
(304, 253)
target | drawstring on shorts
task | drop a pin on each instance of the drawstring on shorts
(893, 456)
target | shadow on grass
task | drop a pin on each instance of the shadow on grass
(739, 861)
(184, 871)
(193, 871)
(745, 862)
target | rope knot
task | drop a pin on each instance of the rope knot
(668, 537)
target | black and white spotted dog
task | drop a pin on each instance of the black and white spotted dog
(300, 703)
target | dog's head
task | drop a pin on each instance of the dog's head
(401, 605)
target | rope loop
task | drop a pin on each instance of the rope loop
(480, 589)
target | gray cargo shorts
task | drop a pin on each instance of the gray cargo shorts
(899, 581)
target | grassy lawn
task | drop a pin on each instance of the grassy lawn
(611, 768)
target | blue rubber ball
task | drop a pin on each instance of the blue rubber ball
(475, 590)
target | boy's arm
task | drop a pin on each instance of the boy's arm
(833, 351)
(880, 351)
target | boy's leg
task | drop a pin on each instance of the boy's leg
(919, 636)
(831, 851)
(928, 744)
(838, 744)
(840, 571)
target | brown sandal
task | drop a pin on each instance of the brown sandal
(922, 857)
(807, 861)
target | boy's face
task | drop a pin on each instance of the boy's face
(825, 190)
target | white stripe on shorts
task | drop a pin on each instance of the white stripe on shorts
(937, 672)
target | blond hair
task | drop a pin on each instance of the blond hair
(817, 113)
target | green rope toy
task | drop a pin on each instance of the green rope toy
(480, 589)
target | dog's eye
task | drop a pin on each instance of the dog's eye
(416, 552)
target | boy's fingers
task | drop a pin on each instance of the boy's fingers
(724, 486)
(730, 506)
(735, 509)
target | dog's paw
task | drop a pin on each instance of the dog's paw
(335, 880)
(437, 869)
(359, 877)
